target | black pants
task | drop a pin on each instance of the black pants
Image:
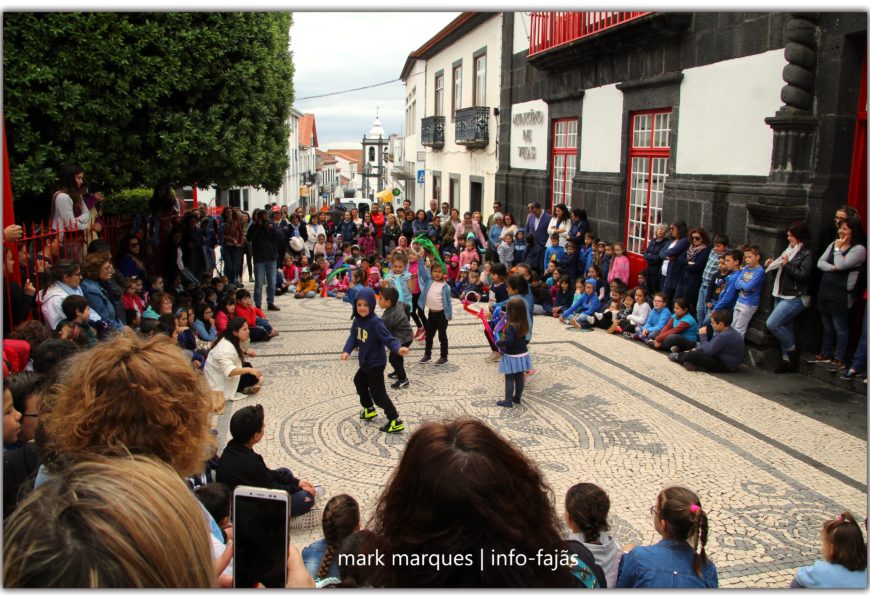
(370, 387)
(627, 326)
(713, 364)
(246, 380)
(605, 321)
(437, 321)
(397, 361)
(679, 341)
(513, 386)
(416, 312)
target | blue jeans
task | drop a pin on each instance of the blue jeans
(701, 304)
(859, 362)
(231, 256)
(264, 272)
(780, 323)
(835, 325)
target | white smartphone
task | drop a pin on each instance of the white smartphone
(260, 537)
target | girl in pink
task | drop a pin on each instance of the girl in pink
(366, 242)
(619, 268)
(469, 254)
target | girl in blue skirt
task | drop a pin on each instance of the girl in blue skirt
(515, 359)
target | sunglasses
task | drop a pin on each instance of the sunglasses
(696, 237)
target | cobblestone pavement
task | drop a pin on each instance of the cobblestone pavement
(602, 409)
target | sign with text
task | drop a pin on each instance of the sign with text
(529, 122)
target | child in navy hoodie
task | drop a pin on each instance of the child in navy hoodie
(369, 335)
(584, 306)
(520, 247)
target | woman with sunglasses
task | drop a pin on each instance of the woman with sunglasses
(692, 262)
(130, 262)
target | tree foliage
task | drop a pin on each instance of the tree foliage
(140, 98)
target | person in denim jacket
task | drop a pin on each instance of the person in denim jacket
(676, 561)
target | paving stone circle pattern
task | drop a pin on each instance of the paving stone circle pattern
(602, 409)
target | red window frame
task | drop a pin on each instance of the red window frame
(566, 151)
(652, 152)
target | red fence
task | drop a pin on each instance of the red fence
(551, 29)
(32, 255)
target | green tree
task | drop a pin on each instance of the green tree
(142, 98)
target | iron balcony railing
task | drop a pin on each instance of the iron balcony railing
(432, 132)
(552, 29)
(472, 126)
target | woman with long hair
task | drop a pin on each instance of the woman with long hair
(841, 264)
(130, 262)
(671, 269)
(794, 269)
(226, 369)
(560, 223)
(69, 214)
(462, 492)
(692, 263)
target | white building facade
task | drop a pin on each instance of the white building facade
(455, 79)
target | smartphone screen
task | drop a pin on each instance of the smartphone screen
(260, 537)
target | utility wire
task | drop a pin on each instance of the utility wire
(365, 87)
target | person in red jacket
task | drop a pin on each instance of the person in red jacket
(261, 329)
(378, 219)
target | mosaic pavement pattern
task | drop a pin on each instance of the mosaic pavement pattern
(602, 409)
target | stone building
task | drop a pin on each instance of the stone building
(737, 122)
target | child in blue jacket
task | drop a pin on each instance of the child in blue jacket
(369, 335)
(584, 306)
(657, 319)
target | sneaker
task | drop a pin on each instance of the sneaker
(251, 390)
(392, 375)
(673, 356)
(426, 358)
(368, 413)
(690, 366)
(849, 375)
(420, 331)
(441, 361)
(394, 426)
(598, 316)
(402, 383)
(494, 357)
(505, 403)
(819, 358)
(675, 349)
(273, 333)
(836, 365)
(627, 335)
(272, 307)
(590, 319)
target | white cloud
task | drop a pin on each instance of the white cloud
(336, 51)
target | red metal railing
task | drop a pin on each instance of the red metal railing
(552, 29)
(40, 246)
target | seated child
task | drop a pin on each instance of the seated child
(261, 329)
(452, 270)
(606, 318)
(240, 465)
(722, 354)
(680, 333)
(474, 287)
(307, 286)
(639, 313)
(291, 275)
(461, 284)
(217, 499)
(131, 299)
(586, 508)
(77, 324)
(563, 298)
(341, 517)
(584, 306)
(844, 555)
(658, 318)
(624, 313)
(579, 287)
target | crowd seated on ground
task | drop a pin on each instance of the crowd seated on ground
(175, 345)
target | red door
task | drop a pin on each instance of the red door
(648, 158)
(858, 177)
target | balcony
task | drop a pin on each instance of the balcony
(560, 39)
(432, 132)
(472, 127)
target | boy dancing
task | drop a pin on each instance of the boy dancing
(369, 335)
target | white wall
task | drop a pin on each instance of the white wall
(722, 111)
(522, 25)
(453, 158)
(601, 130)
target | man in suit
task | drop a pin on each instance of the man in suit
(536, 236)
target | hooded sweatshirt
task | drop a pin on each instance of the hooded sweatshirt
(396, 320)
(607, 554)
(370, 335)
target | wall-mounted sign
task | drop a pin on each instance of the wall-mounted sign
(529, 122)
(421, 176)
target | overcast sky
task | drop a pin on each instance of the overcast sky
(335, 51)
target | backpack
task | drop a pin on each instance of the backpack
(587, 573)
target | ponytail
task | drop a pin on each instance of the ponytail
(699, 534)
(687, 521)
(340, 519)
